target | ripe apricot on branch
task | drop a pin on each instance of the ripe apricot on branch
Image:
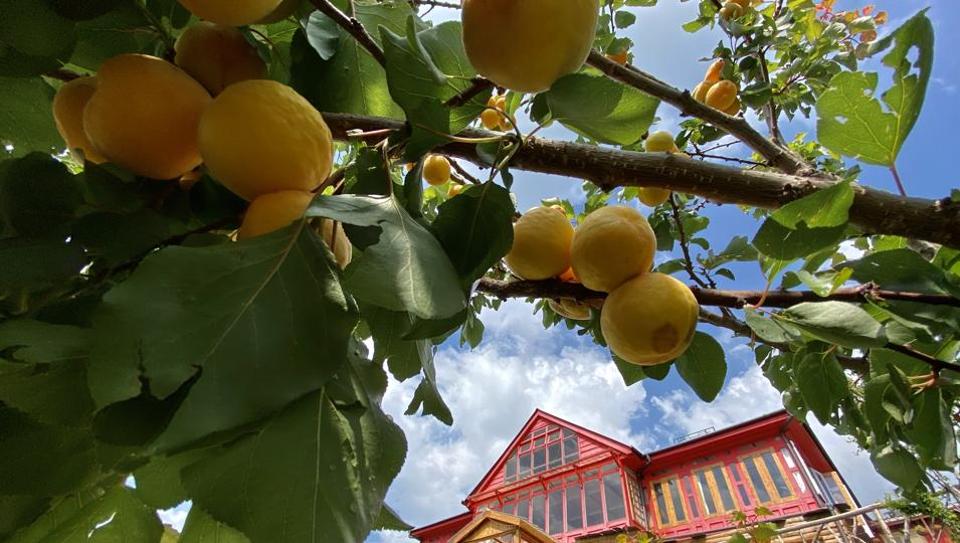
(493, 119)
(660, 142)
(722, 95)
(734, 107)
(260, 136)
(620, 58)
(273, 211)
(650, 319)
(218, 56)
(570, 309)
(68, 106)
(653, 196)
(527, 45)
(144, 116)
(436, 170)
(731, 10)
(541, 244)
(336, 239)
(231, 12)
(611, 245)
(713, 72)
(700, 91)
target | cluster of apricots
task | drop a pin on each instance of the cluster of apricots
(647, 318)
(718, 93)
(211, 107)
(734, 9)
(494, 116)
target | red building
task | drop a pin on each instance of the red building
(578, 485)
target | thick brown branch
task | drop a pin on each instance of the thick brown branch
(354, 27)
(873, 210)
(777, 155)
(715, 297)
(477, 85)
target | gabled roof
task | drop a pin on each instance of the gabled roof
(539, 416)
(493, 523)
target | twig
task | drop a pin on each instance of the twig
(896, 178)
(463, 172)
(684, 246)
(935, 363)
(477, 85)
(354, 27)
(777, 155)
(727, 158)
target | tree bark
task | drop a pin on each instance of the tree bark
(873, 210)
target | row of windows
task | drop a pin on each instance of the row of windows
(709, 491)
(571, 505)
(546, 448)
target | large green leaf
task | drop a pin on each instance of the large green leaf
(32, 37)
(425, 68)
(226, 310)
(932, 429)
(703, 366)
(38, 197)
(836, 322)
(325, 462)
(158, 482)
(476, 229)
(26, 121)
(117, 517)
(404, 357)
(19, 511)
(897, 466)
(202, 528)
(853, 122)
(598, 107)
(824, 208)
(782, 243)
(406, 269)
(351, 81)
(821, 382)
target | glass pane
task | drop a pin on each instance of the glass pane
(705, 493)
(744, 497)
(511, 472)
(570, 449)
(523, 509)
(613, 493)
(677, 500)
(783, 488)
(788, 458)
(757, 481)
(537, 442)
(539, 460)
(509, 508)
(555, 518)
(661, 504)
(537, 518)
(797, 478)
(553, 452)
(591, 491)
(524, 465)
(574, 513)
(725, 497)
(568, 433)
(691, 499)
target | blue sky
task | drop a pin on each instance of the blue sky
(520, 366)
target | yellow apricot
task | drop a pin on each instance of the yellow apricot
(660, 141)
(454, 189)
(144, 116)
(541, 244)
(722, 95)
(742, 3)
(336, 239)
(231, 12)
(570, 309)
(271, 212)
(611, 245)
(569, 276)
(218, 56)
(284, 10)
(490, 119)
(734, 107)
(527, 45)
(700, 91)
(436, 170)
(260, 136)
(620, 58)
(68, 106)
(650, 319)
(713, 72)
(653, 196)
(731, 10)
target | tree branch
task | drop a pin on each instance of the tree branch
(736, 299)
(354, 27)
(477, 85)
(777, 155)
(873, 210)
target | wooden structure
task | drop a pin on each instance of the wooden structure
(496, 527)
(576, 485)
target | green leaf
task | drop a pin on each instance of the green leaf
(902, 269)
(737, 250)
(158, 482)
(781, 243)
(404, 358)
(33, 30)
(117, 517)
(824, 208)
(658, 372)
(771, 330)
(200, 527)
(932, 429)
(703, 366)
(406, 269)
(897, 466)
(425, 68)
(326, 462)
(38, 196)
(36, 342)
(599, 108)
(51, 394)
(821, 382)
(119, 31)
(390, 520)
(19, 511)
(623, 19)
(264, 298)
(25, 119)
(323, 34)
(351, 81)
(840, 323)
(476, 229)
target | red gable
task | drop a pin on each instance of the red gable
(541, 423)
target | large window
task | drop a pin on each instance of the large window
(574, 508)
(668, 501)
(767, 476)
(714, 489)
(539, 505)
(594, 503)
(545, 448)
(555, 517)
(613, 496)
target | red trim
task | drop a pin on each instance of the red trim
(451, 525)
